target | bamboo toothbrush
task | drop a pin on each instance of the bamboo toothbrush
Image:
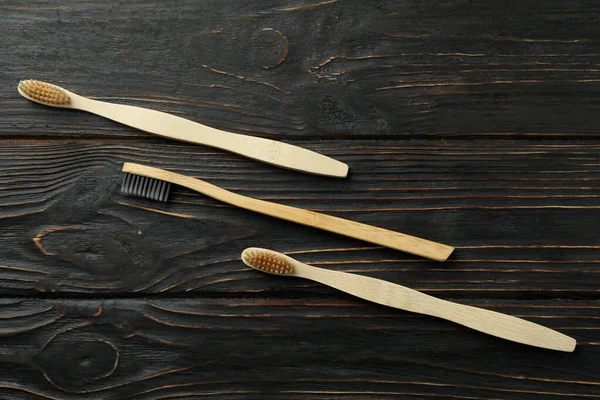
(396, 296)
(153, 183)
(162, 124)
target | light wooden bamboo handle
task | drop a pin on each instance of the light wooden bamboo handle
(357, 230)
(392, 295)
(170, 126)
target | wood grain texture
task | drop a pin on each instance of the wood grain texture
(519, 214)
(311, 69)
(471, 123)
(293, 349)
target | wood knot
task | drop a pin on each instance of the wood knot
(83, 361)
(335, 114)
(269, 48)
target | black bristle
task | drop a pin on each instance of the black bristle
(153, 189)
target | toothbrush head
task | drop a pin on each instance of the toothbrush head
(141, 186)
(44, 93)
(268, 261)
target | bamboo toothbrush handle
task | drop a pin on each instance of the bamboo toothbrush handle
(357, 230)
(173, 127)
(368, 233)
(486, 321)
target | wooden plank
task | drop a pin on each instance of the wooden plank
(282, 349)
(522, 216)
(296, 69)
(107, 297)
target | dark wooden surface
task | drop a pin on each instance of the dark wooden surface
(471, 123)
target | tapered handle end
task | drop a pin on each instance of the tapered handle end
(568, 344)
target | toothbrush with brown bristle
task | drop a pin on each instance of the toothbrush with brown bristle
(170, 126)
(396, 296)
(154, 183)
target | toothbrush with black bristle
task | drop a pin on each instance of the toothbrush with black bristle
(170, 126)
(149, 182)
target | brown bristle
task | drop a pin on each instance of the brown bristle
(44, 93)
(267, 261)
